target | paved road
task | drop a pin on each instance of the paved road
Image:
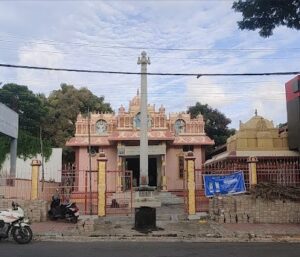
(145, 249)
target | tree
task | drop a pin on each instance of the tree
(216, 123)
(31, 118)
(64, 105)
(268, 14)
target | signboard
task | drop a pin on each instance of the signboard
(135, 150)
(9, 121)
(224, 184)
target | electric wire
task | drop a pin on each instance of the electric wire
(198, 75)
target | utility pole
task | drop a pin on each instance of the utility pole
(144, 61)
(90, 161)
(42, 155)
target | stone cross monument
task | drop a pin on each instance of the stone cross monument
(144, 61)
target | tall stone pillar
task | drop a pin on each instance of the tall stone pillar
(252, 161)
(35, 176)
(144, 180)
(191, 185)
(102, 166)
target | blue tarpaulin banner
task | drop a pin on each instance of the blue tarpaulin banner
(224, 184)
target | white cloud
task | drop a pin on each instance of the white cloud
(204, 90)
(40, 54)
(88, 36)
(269, 100)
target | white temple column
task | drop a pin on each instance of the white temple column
(144, 180)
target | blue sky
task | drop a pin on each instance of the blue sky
(110, 35)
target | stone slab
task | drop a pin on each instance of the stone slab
(146, 202)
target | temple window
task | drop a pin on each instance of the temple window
(137, 121)
(180, 126)
(101, 127)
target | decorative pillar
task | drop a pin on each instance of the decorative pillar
(252, 170)
(191, 185)
(102, 166)
(35, 176)
(163, 172)
(144, 180)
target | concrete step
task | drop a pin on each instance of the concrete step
(115, 220)
(166, 198)
(120, 221)
(169, 198)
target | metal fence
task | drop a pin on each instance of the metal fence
(279, 170)
(228, 167)
(119, 192)
(284, 171)
(80, 186)
(14, 188)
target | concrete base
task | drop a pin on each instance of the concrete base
(145, 204)
(145, 218)
(197, 216)
(145, 199)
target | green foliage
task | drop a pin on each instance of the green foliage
(29, 107)
(216, 123)
(29, 146)
(4, 147)
(55, 116)
(63, 107)
(265, 15)
(31, 112)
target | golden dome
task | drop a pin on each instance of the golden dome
(258, 123)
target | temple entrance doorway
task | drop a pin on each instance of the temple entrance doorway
(133, 164)
(152, 172)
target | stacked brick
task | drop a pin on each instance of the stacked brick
(246, 209)
(35, 210)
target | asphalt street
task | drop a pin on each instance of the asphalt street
(145, 249)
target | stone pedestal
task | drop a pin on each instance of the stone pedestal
(145, 204)
(145, 198)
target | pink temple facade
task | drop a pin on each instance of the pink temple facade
(117, 135)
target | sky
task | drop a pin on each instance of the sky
(179, 37)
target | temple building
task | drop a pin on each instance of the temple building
(118, 136)
(255, 138)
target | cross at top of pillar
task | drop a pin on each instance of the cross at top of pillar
(143, 59)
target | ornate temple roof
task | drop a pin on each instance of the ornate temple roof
(106, 128)
(83, 141)
(135, 135)
(257, 123)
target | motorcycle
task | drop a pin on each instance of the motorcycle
(12, 221)
(68, 211)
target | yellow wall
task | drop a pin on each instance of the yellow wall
(257, 134)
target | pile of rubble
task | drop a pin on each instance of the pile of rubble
(272, 191)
